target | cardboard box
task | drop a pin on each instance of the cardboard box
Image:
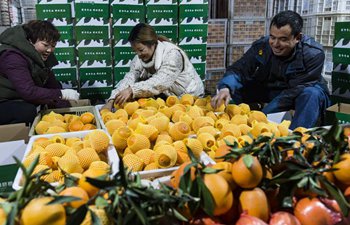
(65, 74)
(96, 92)
(70, 84)
(341, 52)
(123, 11)
(193, 30)
(127, 2)
(169, 31)
(200, 68)
(339, 112)
(49, 11)
(341, 30)
(123, 52)
(193, 10)
(92, 32)
(122, 32)
(160, 2)
(195, 50)
(14, 132)
(91, 10)
(159, 11)
(119, 73)
(95, 73)
(184, 2)
(8, 166)
(65, 54)
(91, 54)
(66, 32)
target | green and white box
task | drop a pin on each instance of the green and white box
(65, 52)
(65, 74)
(95, 92)
(127, 2)
(94, 50)
(341, 52)
(193, 27)
(341, 30)
(158, 11)
(341, 81)
(119, 73)
(54, 2)
(61, 22)
(185, 2)
(200, 68)
(92, 32)
(49, 11)
(66, 32)
(165, 27)
(198, 51)
(70, 84)
(190, 11)
(128, 12)
(91, 10)
(123, 53)
(122, 27)
(87, 73)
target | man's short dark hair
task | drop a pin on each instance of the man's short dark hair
(290, 18)
(41, 30)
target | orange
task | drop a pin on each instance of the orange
(226, 168)
(76, 192)
(177, 174)
(88, 126)
(221, 192)
(37, 212)
(87, 117)
(255, 203)
(247, 177)
(221, 151)
(89, 188)
(343, 167)
(75, 125)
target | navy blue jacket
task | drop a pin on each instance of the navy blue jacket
(259, 64)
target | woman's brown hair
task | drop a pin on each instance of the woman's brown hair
(41, 30)
(145, 34)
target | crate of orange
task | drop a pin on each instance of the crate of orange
(82, 153)
(62, 120)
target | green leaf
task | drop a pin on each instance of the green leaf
(206, 198)
(248, 160)
(78, 216)
(63, 199)
(287, 202)
(139, 212)
(179, 216)
(209, 170)
(101, 202)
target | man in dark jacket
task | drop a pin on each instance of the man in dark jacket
(283, 69)
(26, 78)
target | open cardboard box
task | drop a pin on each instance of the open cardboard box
(339, 112)
(8, 166)
(14, 132)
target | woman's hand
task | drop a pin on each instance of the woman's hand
(223, 97)
(123, 96)
(109, 105)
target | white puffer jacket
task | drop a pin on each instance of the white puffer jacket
(175, 75)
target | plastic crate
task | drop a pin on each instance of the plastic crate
(151, 174)
(217, 31)
(216, 57)
(246, 31)
(247, 8)
(235, 52)
(113, 159)
(321, 27)
(73, 110)
(211, 81)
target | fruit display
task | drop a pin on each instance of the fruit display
(153, 134)
(78, 154)
(74, 119)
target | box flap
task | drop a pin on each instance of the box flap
(13, 149)
(14, 132)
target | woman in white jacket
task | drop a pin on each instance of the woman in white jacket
(159, 68)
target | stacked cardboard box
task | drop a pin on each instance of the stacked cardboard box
(60, 13)
(341, 62)
(163, 16)
(92, 30)
(125, 15)
(193, 32)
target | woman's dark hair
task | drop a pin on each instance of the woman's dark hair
(41, 30)
(290, 18)
(144, 34)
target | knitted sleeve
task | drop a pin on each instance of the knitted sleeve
(163, 79)
(129, 79)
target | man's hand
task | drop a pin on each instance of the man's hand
(223, 97)
(123, 96)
